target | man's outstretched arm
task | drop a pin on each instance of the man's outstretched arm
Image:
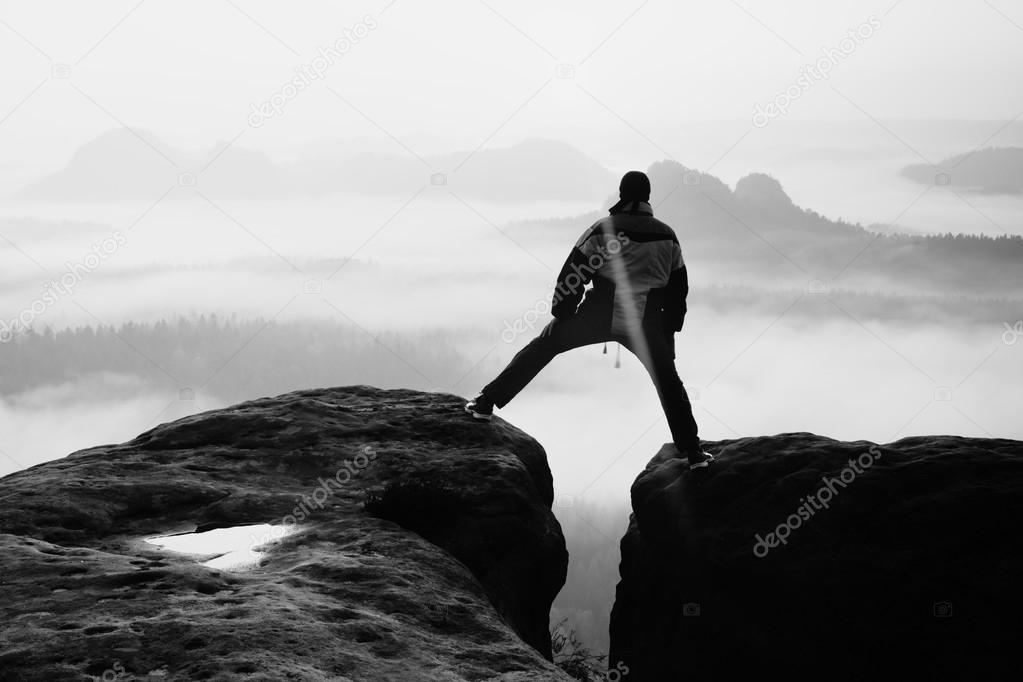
(568, 291)
(574, 276)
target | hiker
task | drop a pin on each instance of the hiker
(638, 299)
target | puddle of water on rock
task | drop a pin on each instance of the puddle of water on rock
(237, 547)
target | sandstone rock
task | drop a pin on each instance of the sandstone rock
(348, 596)
(910, 571)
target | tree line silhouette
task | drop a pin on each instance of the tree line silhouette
(233, 358)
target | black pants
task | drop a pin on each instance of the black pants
(653, 347)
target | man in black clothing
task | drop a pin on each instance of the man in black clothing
(638, 299)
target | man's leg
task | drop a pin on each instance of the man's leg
(658, 358)
(557, 337)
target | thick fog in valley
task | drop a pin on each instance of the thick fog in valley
(207, 202)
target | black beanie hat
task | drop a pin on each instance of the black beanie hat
(635, 186)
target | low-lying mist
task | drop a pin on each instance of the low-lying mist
(748, 372)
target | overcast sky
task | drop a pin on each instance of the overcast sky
(468, 72)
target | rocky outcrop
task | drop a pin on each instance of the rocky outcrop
(763, 191)
(799, 555)
(461, 591)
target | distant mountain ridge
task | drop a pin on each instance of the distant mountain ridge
(127, 164)
(995, 170)
(752, 235)
(757, 235)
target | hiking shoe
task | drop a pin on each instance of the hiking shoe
(480, 408)
(701, 460)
